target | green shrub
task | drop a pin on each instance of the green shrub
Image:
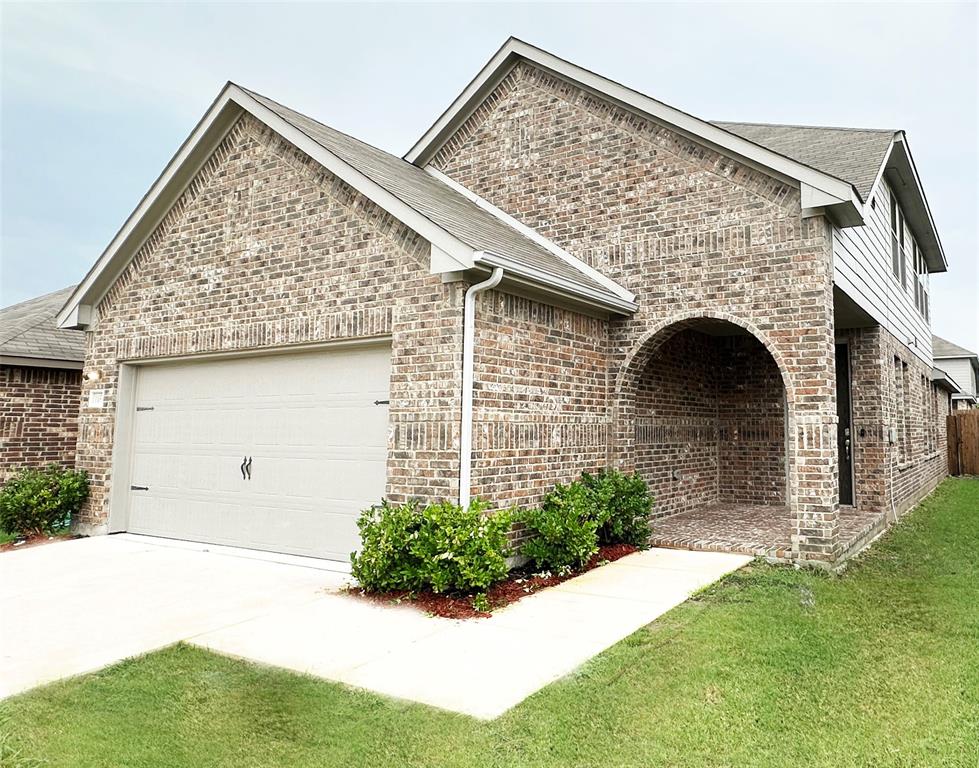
(441, 547)
(564, 528)
(384, 562)
(462, 549)
(40, 501)
(626, 500)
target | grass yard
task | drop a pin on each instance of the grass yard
(771, 667)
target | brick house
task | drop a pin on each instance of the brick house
(562, 274)
(40, 385)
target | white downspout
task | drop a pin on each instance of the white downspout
(468, 348)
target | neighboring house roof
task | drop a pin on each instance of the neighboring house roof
(841, 185)
(855, 155)
(944, 348)
(463, 234)
(30, 336)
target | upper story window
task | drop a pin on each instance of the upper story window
(907, 258)
(921, 300)
(897, 240)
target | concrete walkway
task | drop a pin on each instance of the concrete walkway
(76, 606)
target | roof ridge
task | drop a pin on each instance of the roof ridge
(802, 125)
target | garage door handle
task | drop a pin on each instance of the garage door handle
(248, 467)
(242, 468)
(138, 488)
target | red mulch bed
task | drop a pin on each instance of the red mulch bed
(519, 584)
(36, 540)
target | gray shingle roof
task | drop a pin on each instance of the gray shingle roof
(449, 209)
(944, 348)
(28, 329)
(854, 155)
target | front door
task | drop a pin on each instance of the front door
(844, 434)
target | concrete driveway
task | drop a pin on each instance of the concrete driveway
(74, 607)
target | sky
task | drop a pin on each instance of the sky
(95, 98)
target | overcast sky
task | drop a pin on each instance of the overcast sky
(96, 98)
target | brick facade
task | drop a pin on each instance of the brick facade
(264, 249)
(892, 389)
(541, 410)
(38, 417)
(720, 388)
(691, 233)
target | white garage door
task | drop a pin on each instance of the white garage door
(279, 452)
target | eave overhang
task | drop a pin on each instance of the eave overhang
(901, 174)
(29, 361)
(943, 380)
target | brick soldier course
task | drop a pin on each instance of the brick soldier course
(718, 387)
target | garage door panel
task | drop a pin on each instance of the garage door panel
(317, 479)
(309, 422)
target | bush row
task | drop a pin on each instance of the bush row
(41, 501)
(444, 548)
(574, 520)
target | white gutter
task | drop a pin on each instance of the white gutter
(468, 349)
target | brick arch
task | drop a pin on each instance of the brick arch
(654, 336)
(623, 445)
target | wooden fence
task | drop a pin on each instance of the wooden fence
(963, 442)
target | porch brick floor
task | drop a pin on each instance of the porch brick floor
(753, 529)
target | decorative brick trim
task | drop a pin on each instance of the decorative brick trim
(517, 434)
(174, 215)
(354, 324)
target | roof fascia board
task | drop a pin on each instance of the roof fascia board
(556, 284)
(485, 81)
(534, 235)
(880, 171)
(695, 128)
(184, 166)
(915, 204)
(26, 361)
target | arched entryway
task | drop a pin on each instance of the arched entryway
(703, 412)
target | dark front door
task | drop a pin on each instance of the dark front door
(844, 435)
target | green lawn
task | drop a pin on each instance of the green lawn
(771, 667)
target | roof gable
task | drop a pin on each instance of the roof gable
(463, 235)
(837, 170)
(819, 189)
